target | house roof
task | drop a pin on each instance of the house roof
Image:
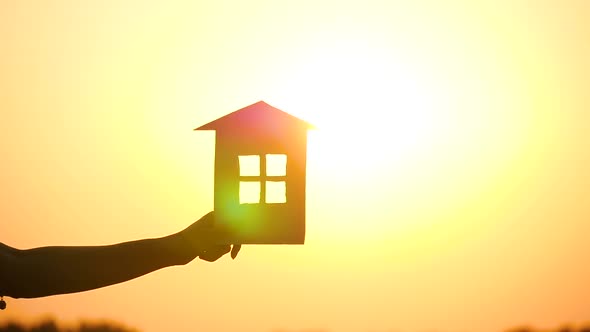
(258, 116)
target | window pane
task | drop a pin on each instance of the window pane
(276, 192)
(249, 192)
(276, 164)
(249, 165)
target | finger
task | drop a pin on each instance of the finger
(214, 253)
(235, 250)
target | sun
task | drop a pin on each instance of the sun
(369, 109)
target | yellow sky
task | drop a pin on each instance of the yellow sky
(448, 183)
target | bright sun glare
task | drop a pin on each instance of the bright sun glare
(391, 129)
(368, 109)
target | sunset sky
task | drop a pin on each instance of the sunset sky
(448, 179)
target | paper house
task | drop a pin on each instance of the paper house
(260, 156)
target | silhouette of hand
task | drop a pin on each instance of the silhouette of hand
(201, 240)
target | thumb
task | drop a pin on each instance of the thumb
(235, 250)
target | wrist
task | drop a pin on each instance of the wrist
(180, 248)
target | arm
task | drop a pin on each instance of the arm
(58, 270)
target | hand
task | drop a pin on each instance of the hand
(202, 240)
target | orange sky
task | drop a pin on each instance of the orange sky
(448, 183)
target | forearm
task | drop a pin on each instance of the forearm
(58, 270)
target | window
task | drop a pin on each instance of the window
(249, 165)
(276, 164)
(275, 192)
(263, 179)
(249, 192)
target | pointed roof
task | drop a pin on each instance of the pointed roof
(257, 116)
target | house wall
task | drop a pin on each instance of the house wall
(260, 223)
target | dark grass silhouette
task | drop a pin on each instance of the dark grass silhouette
(563, 328)
(51, 325)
